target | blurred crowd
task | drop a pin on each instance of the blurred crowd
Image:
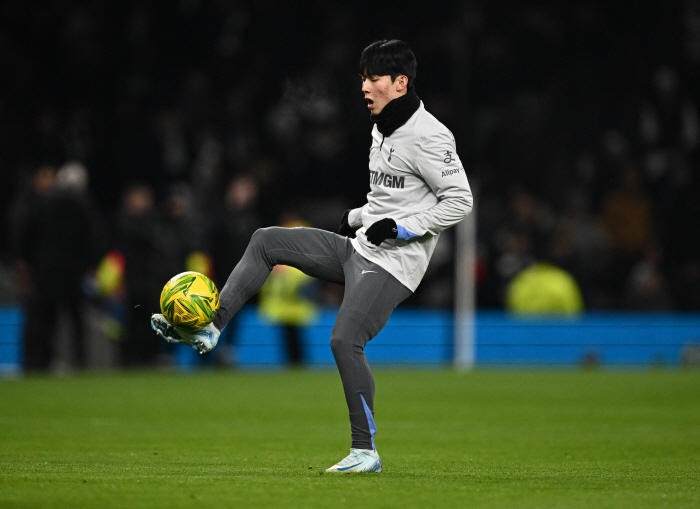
(152, 131)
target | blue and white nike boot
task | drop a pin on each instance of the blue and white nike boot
(359, 460)
(203, 340)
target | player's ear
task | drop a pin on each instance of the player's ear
(401, 82)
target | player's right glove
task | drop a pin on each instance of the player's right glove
(345, 229)
(382, 230)
(203, 340)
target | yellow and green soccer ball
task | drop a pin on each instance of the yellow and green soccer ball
(189, 300)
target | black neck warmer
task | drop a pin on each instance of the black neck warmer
(397, 112)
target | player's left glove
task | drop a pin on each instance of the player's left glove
(345, 229)
(203, 340)
(382, 230)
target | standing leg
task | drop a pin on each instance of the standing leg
(371, 294)
(369, 299)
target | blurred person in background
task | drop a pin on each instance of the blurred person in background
(137, 240)
(418, 189)
(284, 299)
(627, 223)
(234, 224)
(180, 231)
(516, 254)
(181, 245)
(578, 244)
(648, 289)
(60, 241)
(23, 208)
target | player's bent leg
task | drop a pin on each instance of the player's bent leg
(318, 253)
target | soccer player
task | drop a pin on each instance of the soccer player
(418, 188)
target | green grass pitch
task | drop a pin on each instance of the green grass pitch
(507, 439)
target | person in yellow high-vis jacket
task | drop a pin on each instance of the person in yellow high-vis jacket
(543, 288)
(282, 301)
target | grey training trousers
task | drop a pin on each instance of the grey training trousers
(371, 294)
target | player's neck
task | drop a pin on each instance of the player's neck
(397, 112)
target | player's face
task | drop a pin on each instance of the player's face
(379, 90)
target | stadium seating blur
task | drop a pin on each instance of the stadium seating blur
(577, 122)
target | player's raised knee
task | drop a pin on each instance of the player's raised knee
(261, 235)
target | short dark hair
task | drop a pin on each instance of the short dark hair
(389, 57)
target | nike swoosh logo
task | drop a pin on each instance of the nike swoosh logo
(348, 468)
(366, 271)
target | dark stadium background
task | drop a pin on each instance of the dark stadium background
(559, 109)
(578, 124)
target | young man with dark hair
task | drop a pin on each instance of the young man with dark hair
(418, 188)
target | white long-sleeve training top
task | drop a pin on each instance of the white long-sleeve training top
(416, 179)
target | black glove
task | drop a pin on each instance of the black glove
(382, 230)
(345, 229)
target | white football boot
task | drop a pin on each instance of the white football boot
(359, 460)
(203, 340)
